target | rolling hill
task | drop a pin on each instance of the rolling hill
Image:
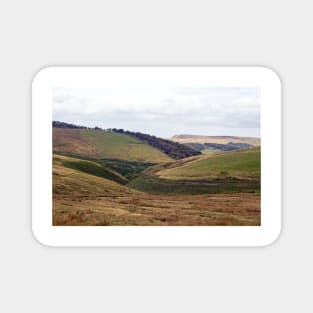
(87, 199)
(226, 172)
(116, 177)
(245, 164)
(104, 144)
(89, 167)
(183, 139)
(77, 182)
(171, 148)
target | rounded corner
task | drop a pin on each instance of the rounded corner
(38, 238)
(274, 238)
(41, 73)
(271, 74)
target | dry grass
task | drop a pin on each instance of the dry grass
(146, 209)
(216, 139)
(84, 199)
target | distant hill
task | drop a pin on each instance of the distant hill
(206, 148)
(183, 139)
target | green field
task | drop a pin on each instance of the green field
(104, 144)
(227, 172)
(239, 164)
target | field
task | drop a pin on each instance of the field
(100, 144)
(236, 164)
(84, 199)
(104, 178)
(226, 172)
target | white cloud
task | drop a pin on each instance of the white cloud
(163, 112)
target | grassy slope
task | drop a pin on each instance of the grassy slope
(83, 199)
(237, 164)
(226, 172)
(74, 183)
(84, 192)
(75, 197)
(101, 144)
(128, 169)
(89, 167)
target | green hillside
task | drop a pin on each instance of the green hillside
(104, 144)
(89, 167)
(237, 164)
(227, 172)
(73, 182)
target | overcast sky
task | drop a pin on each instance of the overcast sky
(163, 112)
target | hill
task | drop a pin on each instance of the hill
(76, 195)
(206, 148)
(81, 198)
(226, 172)
(183, 139)
(173, 149)
(89, 167)
(116, 177)
(104, 144)
(241, 164)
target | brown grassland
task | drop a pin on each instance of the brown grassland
(154, 210)
(83, 199)
(110, 179)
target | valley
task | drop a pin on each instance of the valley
(115, 177)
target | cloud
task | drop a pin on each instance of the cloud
(162, 111)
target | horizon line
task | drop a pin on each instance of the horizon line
(108, 129)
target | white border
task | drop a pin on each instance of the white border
(104, 77)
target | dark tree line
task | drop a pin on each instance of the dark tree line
(173, 149)
(58, 124)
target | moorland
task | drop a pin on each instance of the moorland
(108, 177)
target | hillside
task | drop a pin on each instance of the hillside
(206, 148)
(81, 198)
(226, 172)
(89, 167)
(116, 177)
(72, 182)
(241, 164)
(183, 139)
(104, 144)
(172, 149)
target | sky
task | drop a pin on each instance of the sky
(163, 112)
